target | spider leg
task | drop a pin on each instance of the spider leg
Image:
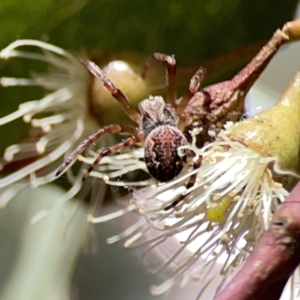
(115, 92)
(191, 182)
(195, 82)
(92, 138)
(110, 150)
(171, 73)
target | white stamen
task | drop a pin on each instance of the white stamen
(111, 216)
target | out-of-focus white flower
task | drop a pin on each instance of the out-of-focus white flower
(39, 260)
(61, 119)
(58, 120)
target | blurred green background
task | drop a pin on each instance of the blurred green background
(193, 30)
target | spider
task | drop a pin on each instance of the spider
(157, 124)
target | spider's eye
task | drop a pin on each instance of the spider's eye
(216, 214)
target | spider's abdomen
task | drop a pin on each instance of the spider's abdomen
(161, 152)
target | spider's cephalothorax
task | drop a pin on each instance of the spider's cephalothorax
(162, 139)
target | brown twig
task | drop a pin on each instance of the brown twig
(219, 103)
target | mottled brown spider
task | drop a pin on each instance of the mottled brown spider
(156, 126)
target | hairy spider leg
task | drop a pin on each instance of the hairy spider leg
(195, 83)
(115, 92)
(191, 182)
(110, 150)
(92, 138)
(171, 73)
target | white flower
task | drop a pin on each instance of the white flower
(58, 120)
(220, 219)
